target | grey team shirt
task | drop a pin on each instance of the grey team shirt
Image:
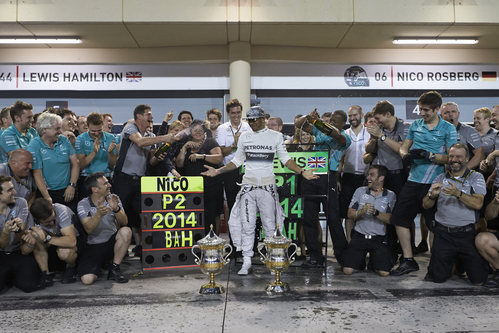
(63, 219)
(384, 203)
(451, 212)
(488, 141)
(18, 209)
(386, 155)
(23, 189)
(469, 136)
(107, 225)
(136, 157)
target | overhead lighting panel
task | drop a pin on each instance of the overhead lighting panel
(39, 40)
(441, 41)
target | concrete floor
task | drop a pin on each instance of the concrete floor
(319, 301)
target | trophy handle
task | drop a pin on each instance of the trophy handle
(228, 254)
(291, 257)
(197, 260)
(262, 257)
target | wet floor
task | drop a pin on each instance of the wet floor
(319, 301)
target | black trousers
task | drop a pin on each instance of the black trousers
(58, 197)
(230, 180)
(128, 189)
(449, 246)
(19, 270)
(311, 215)
(349, 183)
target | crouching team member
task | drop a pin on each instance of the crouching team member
(258, 190)
(487, 243)
(370, 209)
(458, 196)
(17, 265)
(105, 222)
(56, 240)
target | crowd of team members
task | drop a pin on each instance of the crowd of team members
(57, 212)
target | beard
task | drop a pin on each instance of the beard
(354, 123)
(456, 166)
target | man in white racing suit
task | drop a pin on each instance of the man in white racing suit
(258, 191)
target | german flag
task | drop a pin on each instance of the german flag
(489, 76)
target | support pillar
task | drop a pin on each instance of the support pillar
(240, 73)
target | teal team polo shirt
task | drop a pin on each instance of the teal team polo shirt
(335, 149)
(4, 158)
(85, 145)
(438, 141)
(11, 139)
(54, 162)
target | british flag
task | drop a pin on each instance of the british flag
(133, 76)
(316, 162)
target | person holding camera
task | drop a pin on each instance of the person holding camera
(17, 265)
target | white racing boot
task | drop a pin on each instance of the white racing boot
(246, 266)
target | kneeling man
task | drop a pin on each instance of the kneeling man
(56, 241)
(370, 209)
(457, 197)
(105, 222)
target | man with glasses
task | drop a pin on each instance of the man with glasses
(429, 137)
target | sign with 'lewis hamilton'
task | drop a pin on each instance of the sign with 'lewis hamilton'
(301, 76)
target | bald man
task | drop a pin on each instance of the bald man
(19, 169)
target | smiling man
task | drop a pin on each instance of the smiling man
(429, 137)
(258, 193)
(466, 134)
(458, 195)
(95, 150)
(20, 133)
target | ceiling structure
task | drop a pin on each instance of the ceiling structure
(202, 30)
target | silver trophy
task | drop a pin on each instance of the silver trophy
(212, 260)
(277, 259)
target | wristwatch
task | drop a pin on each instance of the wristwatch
(47, 239)
(383, 137)
(72, 184)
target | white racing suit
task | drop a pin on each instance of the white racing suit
(258, 191)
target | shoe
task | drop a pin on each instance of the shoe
(406, 266)
(69, 275)
(236, 254)
(246, 268)
(428, 277)
(137, 251)
(46, 280)
(493, 282)
(300, 257)
(421, 248)
(314, 263)
(115, 274)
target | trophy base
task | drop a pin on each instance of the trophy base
(211, 289)
(277, 287)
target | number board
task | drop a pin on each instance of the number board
(172, 221)
(288, 187)
(411, 109)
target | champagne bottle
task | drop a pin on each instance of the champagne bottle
(324, 127)
(164, 147)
